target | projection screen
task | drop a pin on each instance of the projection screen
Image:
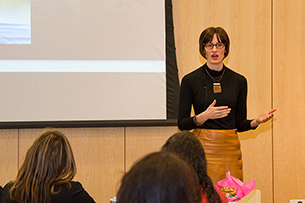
(84, 62)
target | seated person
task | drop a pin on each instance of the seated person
(46, 174)
(160, 177)
(187, 146)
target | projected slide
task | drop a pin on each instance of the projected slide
(83, 60)
(15, 22)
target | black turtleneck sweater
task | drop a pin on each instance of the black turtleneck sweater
(197, 90)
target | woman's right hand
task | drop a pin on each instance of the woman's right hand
(213, 112)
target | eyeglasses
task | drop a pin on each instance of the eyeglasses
(219, 45)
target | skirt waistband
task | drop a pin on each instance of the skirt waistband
(214, 131)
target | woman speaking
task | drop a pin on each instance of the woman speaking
(218, 96)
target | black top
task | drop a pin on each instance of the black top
(76, 194)
(197, 90)
(0, 192)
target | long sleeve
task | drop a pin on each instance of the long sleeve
(185, 122)
(242, 123)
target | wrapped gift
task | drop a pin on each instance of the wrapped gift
(235, 189)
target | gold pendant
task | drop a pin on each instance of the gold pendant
(216, 87)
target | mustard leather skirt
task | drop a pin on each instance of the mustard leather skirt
(223, 153)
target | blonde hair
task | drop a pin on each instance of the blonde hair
(48, 162)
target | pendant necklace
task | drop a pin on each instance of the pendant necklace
(216, 81)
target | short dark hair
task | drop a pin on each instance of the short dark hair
(160, 177)
(207, 36)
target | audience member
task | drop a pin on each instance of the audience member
(188, 147)
(46, 174)
(160, 177)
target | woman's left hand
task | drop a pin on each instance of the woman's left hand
(264, 117)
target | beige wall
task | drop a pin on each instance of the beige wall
(267, 48)
(289, 98)
(248, 24)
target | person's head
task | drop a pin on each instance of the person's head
(214, 39)
(160, 177)
(48, 162)
(188, 147)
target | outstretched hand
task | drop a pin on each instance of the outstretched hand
(264, 117)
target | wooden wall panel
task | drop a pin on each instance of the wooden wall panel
(248, 24)
(8, 155)
(267, 49)
(143, 140)
(99, 156)
(289, 97)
